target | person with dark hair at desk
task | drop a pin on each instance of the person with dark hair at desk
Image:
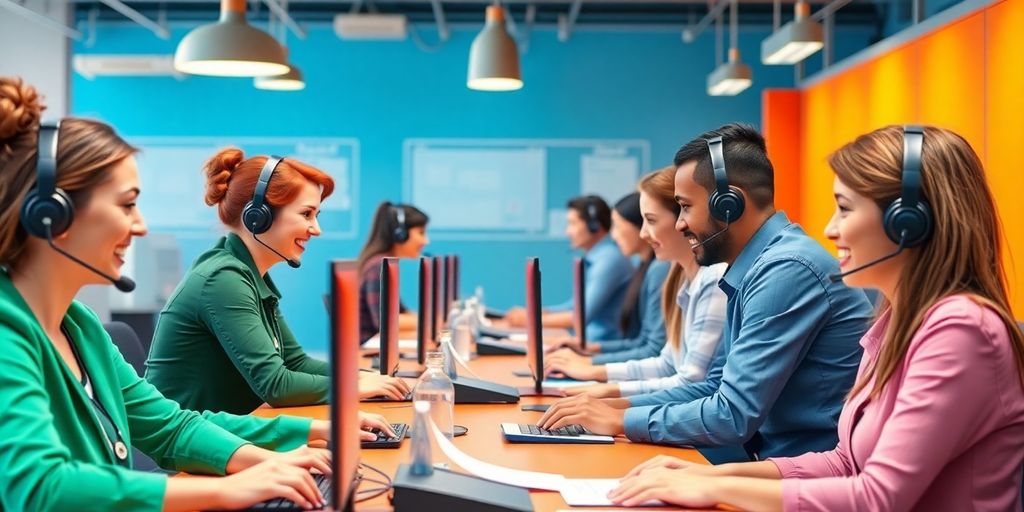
(397, 231)
(607, 273)
(71, 408)
(641, 319)
(221, 343)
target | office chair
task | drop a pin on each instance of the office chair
(128, 343)
(131, 348)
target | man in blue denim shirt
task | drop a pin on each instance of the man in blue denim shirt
(607, 273)
(790, 350)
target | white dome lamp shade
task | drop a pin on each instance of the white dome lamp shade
(493, 57)
(290, 81)
(230, 47)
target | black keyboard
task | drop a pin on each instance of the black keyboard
(383, 441)
(323, 482)
(570, 434)
(382, 398)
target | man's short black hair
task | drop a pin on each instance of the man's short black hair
(746, 161)
(603, 213)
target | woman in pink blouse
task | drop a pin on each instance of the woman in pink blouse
(936, 418)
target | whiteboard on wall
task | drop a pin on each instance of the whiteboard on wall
(514, 189)
(171, 172)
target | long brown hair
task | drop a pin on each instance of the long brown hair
(660, 185)
(86, 152)
(381, 238)
(963, 254)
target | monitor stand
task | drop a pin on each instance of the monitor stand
(533, 391)
(455, 492)
(475, 391)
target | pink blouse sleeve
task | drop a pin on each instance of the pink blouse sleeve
(938, 408)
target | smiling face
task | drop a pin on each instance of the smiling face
(105, 225)
(659, 231)
(695, 221)
(295, 223)
(576, 229)
(626, 235)
(856, 228)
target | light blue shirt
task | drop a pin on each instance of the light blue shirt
(788, 356)
(606, 277)
(650, 338)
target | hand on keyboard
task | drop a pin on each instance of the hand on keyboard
(375, 384)
(369, 423)
(279, 477)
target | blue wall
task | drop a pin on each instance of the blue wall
(598, 85)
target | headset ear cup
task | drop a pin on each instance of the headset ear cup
(257, 219)
(58, 208)
(400, 234)
(727, 207)
(915, 221)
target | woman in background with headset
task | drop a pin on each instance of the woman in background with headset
(71, 408)
(221, 343)
(397, 231)
(935, 420)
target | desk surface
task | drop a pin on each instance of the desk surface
(485, 442)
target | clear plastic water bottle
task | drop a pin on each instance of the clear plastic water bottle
(436, 387)
(462, 335)
(422, 456)
(446, 349)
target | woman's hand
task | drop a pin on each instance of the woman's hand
(285, 476)
(661, 461)
(573, 366)
(674, 486)
(369, 421)
(374, 385)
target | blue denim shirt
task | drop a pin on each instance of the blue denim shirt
(606, 277)
(650, 339)
(788, 357)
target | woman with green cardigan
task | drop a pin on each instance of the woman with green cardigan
(221, 343)
(71, 408)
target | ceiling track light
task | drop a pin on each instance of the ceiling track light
(733, 76)
(795, 41)
(493, 56)
(230, 47)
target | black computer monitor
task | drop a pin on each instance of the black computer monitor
(449, 274)
(534, 341)
(579, 319)
(424, 315)
(389, 311)
(455, 276)
(436, 299)
(344, 363)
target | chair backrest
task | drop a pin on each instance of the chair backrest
(128, 343)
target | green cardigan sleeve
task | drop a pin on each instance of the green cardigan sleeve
(36, 469)
(294, 357)
(230, 308)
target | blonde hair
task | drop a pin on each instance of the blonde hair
(660, 185)
(962, 256)
(86, 152)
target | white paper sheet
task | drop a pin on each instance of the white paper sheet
(495, 473)
(593, 492)
(403, 344)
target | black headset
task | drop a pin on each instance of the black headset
(47, 210)
(257, 214)
(725, 202)
(593, 224)
(400, 233)
(908, 219)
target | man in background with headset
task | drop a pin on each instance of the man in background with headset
(606, 275)
(791, 346)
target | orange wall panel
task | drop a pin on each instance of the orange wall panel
(780, 122)
(818, 115)
(892, 88)
(1004, 130)
(953, 79)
